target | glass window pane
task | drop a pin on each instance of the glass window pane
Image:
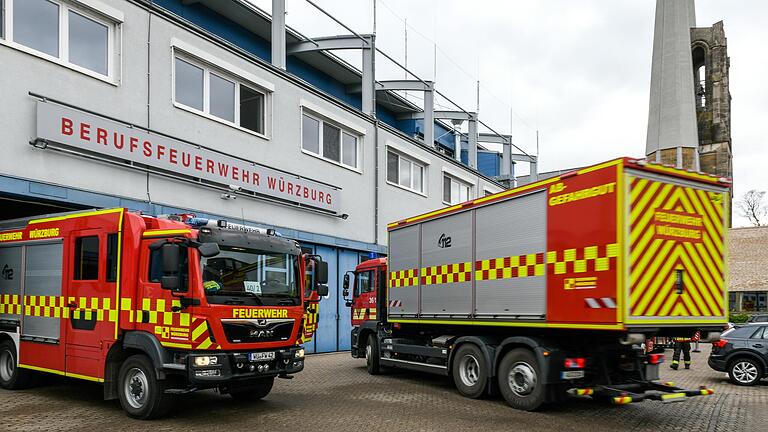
(310, 134)
(454, 192)
(112, 257)
(222, 98)
(331, 145)
(36, 25)
(349, 149)
(86, 260)
(392, 167)
(405, 173)
(446, 189)
(463, 193)
(2, 19)
(418, 178)
(251, 109)
(88, 43)
(189, 84)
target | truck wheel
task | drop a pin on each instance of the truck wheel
(745, 372)
(520, 380)
(469, 371)
(253, 392)
(142, 396)
(12, 377)
(373, 355)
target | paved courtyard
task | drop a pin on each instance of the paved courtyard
(335, 393)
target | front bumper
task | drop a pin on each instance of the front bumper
(236, 366)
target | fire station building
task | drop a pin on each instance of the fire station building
(187, 106)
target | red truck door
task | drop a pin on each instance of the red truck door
(364, 296)
(91, 300)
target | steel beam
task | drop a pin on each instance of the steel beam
(472, 153)
(278, 33)
(367, 43)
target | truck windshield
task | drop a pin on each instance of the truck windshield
(251, 277)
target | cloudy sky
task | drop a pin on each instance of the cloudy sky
(577, 71)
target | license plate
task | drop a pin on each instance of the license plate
(261, 356)
(569, 375)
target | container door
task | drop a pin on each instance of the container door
(676, 251)
(43, 311)
(403, 291)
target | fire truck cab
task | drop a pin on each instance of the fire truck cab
(153, 307)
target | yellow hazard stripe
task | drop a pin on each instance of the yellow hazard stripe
(512, 324)
(58, 372)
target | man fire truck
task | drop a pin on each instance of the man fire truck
(550, 289)
(153, 307)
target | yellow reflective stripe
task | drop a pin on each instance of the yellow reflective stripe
(157, 233)
(512, 324)
(58, 372)
(75, 215)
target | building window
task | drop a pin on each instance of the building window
(214, 94)
(329, 141)
(60, 31)
(754, 301)
(455, 191)
(405, 172)
(86, 258)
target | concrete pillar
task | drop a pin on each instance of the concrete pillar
(672, 131)
(506, 157)
(278, 33)
(457, 145)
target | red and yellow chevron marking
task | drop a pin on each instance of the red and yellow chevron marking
(361, 314)
(310, 322)
(675, 228)
(403, 278)
(201, 335)
(446, 273)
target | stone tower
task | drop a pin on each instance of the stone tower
(713, 99)
(672, 132)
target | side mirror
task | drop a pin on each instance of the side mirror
(171, 279)
(321, 273)
(346, 284)
(322, 290)
(208, 250)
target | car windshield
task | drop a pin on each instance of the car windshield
(251, 277)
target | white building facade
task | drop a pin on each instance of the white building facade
(174, 107)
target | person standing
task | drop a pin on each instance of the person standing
(683, 344)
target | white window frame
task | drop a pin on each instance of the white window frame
(208, 69)
(91, 9)
(460, 182)
(413, 162)
(322, 120)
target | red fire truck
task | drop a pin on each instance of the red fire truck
(551, 288)
(152, 307)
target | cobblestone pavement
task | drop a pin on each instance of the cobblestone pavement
(335, 393)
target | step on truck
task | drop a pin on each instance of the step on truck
(154, 307)
(552, 288)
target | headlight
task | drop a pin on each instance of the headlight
(201, 361)
(299, 353)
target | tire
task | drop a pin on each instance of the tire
(253, 392)
(141, 394)
(12, 377)
(520, 380)
(469, 371)
(745, 371)
(373, 355)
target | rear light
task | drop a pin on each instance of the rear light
(720, 343)
(575, 363)
(655, 359)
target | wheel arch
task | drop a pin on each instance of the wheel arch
(746, 354)
(486, 345)
(535, 345)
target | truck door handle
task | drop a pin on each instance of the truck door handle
(72, 305)
(758, 345)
